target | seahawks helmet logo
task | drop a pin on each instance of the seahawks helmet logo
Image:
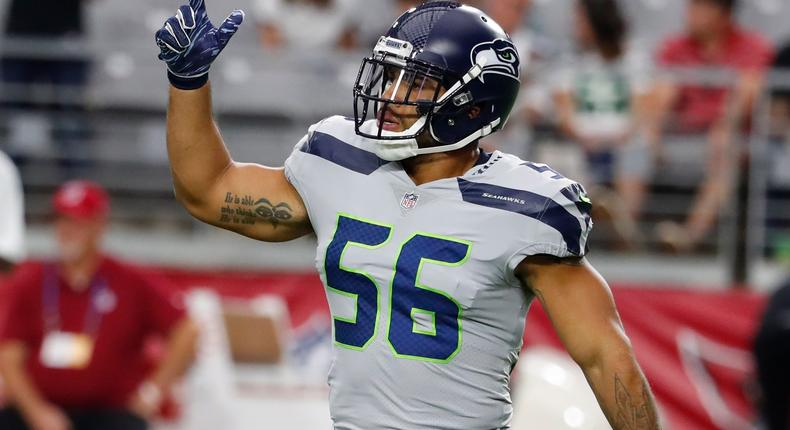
(500, 57)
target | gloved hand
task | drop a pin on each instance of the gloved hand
(189, 43)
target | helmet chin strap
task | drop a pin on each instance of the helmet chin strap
(479, 134)
(397, 150)
(400, 149)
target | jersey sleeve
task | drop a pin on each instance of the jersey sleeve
(560, 228)
(298, 164)
(326, 155)
(295, 163)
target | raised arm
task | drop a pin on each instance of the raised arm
(580, 306)
(250, 199)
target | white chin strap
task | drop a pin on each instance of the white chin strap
(401, 149)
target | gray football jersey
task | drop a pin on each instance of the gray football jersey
(428, 316)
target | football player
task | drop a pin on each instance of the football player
(431, 251)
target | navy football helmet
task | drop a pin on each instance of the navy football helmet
(469, 62)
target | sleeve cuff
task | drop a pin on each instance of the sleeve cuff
(187, 83)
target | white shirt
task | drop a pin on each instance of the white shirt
(12, 212)
(603, 90)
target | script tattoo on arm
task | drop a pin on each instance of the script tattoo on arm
(246, 210)
(634, 412)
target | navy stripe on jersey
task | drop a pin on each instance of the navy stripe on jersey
(341, 153)
(526, 203)
(574, 193)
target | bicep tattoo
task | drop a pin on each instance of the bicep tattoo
(246, 210)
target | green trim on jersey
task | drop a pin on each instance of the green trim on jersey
(417, 284)
(415, 326)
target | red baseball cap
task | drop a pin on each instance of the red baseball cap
(81, 199)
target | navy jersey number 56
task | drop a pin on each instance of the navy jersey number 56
(409, 299)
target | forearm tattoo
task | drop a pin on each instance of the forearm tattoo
(634, 412)
(246, 210)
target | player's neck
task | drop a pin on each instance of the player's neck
(79, 273)
(432, 167)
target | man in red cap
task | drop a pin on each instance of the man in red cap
(712, 42)
(71, 350)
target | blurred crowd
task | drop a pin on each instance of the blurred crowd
(633, 113)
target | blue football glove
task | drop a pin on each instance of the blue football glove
(189, 43)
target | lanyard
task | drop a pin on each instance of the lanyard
(51, 302)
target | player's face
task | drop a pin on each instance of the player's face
(404, 86)
(78, 238)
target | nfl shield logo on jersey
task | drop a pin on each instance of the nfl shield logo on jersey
(409, 201)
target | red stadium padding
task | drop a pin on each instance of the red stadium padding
(694, 346)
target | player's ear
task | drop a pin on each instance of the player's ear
(474, 112)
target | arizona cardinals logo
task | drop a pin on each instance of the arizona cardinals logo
(499, 57)
(722, 398)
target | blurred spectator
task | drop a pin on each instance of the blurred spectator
(12, 217)
(601, 94)
(72, 348)
(713, 40)
(308, 24)
(772, 353)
